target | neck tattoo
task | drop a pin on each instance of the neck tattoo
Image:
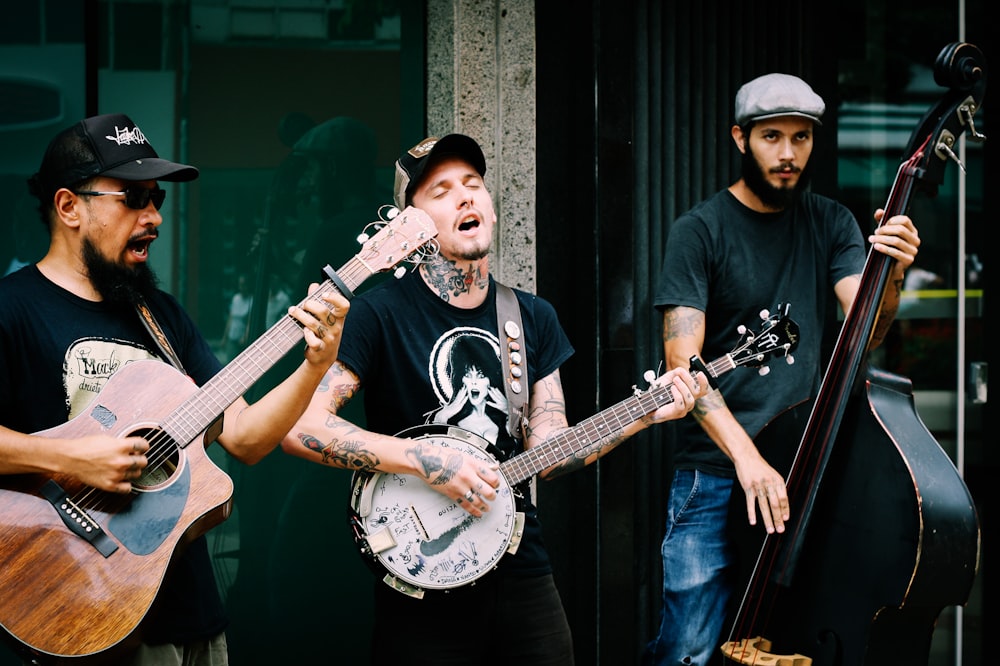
(451, 281)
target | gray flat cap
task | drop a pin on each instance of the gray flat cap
(774, 95)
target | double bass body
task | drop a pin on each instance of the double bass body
(893, 539)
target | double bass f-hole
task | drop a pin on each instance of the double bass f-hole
(884, 533)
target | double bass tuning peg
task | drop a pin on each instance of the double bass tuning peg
(943, 149)
(967, 113)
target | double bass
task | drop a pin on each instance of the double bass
(884, 532)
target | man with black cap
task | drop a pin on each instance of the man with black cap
(70, 321)
(427, 351)
(763, 241)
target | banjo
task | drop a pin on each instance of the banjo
(422, 540)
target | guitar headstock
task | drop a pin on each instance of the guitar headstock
(397, 236)
(778, 334)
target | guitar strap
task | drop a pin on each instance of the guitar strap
(149, 321)
(512, 359)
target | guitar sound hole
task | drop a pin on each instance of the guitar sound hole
(163, 458)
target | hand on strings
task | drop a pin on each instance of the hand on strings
(685, 389)
(464, 478)
(322, 322)
(105, 462)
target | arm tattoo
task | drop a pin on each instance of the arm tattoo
(340, 397)
(887, 313)
(346, 455)
(898, 285)
(681, 323)
(430, 463)
(707, 403)
(579, 459)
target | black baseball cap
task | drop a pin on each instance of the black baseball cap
(106, 145)
(411, 165)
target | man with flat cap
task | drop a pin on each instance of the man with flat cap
(763, 241)
(67, 324)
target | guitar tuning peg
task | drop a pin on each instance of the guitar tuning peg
(386, 212)
(789, 359)
(363, 238)
(763, 371)
(399, 272)
(649, 376)
(741, 329)
(764, 314)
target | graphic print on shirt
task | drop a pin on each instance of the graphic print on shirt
(88, 364)
(465, 372)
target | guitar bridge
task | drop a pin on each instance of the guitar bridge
(77, 520)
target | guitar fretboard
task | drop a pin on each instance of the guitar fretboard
(590, 431)
(401, 237)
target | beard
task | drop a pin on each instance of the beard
(115, 282)
(474, 254)
(778, 198)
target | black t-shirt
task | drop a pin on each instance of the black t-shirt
(57, 352)
(732, 263)
(410, 349)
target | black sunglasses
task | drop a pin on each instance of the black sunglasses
(136, 198)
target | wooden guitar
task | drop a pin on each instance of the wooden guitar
(81, 567)
(423, 540)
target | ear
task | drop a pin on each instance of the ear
(738, 138)
(67, 206)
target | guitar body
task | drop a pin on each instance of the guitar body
(423, 540)
(62, 596)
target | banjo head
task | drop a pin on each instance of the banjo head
(421, 537)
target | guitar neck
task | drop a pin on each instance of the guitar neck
(199, 411)
(595, 429)
(721, 365)
(598, 427)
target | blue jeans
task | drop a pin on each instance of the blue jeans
(697, 570)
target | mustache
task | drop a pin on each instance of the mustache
(150, 235)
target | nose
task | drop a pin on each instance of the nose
(465, 197)
(150, 216)
(786, 152)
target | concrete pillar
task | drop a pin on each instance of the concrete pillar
(481, 82)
